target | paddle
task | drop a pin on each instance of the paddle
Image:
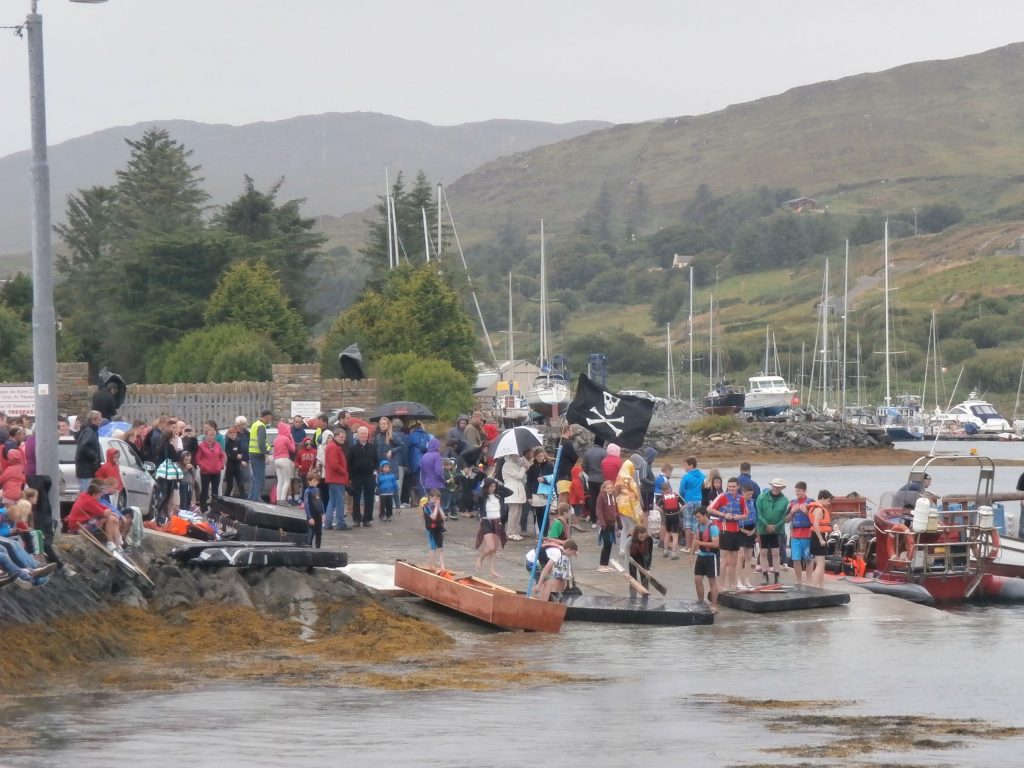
(654, 582)
(633, 582)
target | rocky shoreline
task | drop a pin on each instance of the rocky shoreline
(673, 438)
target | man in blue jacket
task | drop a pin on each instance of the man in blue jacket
(690, 489)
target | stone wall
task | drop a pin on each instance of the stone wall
(74, 390)
(220, 402)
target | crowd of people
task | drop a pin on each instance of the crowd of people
(27, 557)
(345, 473)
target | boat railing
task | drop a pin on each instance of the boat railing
(962, 551)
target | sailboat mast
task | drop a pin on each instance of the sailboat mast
(543, 302)
(711, 341)
(766, 331)
(668, 360)
(824, 351)
(510, 346)
(690, 331)
(888, 393)
(846, 317)
(387, 209)
(426, 234)
(440, 189)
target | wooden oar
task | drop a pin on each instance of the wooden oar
(654, 582)
(633, 582)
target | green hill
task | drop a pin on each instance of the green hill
(930, 130)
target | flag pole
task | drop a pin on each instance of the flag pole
(544, 522)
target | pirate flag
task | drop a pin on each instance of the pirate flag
(619, 419)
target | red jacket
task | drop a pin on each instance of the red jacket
(305, 459)
(610, 466)
(86, 508)
(335, 464)
(13, 477)
(109, 468)
(576, 493)
(210, 458)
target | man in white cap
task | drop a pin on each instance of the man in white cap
(772, 506)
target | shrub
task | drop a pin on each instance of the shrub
(218, 353)
(711, 425)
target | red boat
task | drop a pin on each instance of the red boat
(950, 554)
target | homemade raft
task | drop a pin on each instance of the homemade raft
(244, 554)
(636, 610)
(783, 599)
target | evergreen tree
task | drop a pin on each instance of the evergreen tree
(278, 234)
(158, 192)
(251, 296)
(409, 309)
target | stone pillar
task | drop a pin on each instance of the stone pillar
(294, 382)
(74, 391)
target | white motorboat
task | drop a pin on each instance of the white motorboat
(768, 396)
(972, 416)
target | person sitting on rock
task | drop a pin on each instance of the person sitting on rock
(90, 513)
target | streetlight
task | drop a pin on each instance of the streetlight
(44, 319)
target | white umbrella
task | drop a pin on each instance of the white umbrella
(516, 441)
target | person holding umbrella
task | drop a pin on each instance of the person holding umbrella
(512, 445)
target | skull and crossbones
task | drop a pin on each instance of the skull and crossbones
(611, 405)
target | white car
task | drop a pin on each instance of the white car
(642, 393)
(136, 474)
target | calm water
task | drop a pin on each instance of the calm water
(881, 655)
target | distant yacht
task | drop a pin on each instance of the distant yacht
(768, 396)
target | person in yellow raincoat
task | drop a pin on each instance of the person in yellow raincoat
(627, 499)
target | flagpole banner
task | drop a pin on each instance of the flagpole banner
(619, 419)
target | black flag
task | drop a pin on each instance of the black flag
(619, 419)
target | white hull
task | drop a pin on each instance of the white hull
(769, 395)
(546, 394)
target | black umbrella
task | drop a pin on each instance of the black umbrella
(405, 409)
(351, 361)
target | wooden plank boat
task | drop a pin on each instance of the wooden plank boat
(492, 603)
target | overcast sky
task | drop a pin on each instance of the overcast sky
(453, 61)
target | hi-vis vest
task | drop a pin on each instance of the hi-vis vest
(254, 442)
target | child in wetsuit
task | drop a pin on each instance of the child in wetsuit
(312, 503)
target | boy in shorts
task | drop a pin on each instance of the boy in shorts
(705, 541)
(799, 518)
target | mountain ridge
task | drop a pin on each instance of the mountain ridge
(312, 153)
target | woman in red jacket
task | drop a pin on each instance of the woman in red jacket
(336, 477)
(210, 458)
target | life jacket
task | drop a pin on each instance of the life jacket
(825, 524)
(705, 536)
(670, 502)
(735, 507)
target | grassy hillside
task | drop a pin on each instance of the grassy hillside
(925, 131)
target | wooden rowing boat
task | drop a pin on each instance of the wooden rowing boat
(492, 603)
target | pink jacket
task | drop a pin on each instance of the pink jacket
(284, 444)
(210, 459)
